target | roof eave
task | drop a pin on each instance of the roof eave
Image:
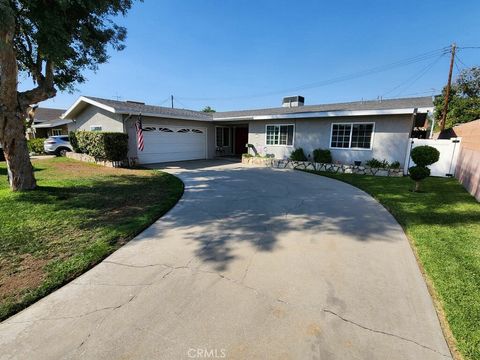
(85, 100)
(335, 113)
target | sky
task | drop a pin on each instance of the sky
(249, 54)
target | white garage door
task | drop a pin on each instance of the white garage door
(172, 143)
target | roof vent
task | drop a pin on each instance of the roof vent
(135, 102)
(293, 101)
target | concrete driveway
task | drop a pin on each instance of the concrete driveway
(252, 263)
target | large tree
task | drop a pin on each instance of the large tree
(51, 41)
(464, 103)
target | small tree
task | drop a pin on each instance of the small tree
(423, 156)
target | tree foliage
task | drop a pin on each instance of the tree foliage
(208, 109)
(464, 103)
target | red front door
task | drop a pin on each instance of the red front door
(241, 140)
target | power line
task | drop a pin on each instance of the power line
(374, 70)
(419, 76)
(415, 77)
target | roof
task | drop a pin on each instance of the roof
(404, 105)
(52, 123)
(47, 114)
(135, 108)
(357, 108)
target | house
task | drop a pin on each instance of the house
(353, 131)
(48, 122)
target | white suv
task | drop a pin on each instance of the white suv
(57, 145)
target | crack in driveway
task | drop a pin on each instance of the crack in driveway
(382, 332)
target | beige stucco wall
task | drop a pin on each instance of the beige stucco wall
(93, 115)
(131, 131)
(390, 138)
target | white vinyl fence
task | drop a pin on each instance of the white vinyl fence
(449, 150)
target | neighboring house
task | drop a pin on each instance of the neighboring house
(48, 122)
(354, 131)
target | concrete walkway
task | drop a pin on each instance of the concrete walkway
(252, 263)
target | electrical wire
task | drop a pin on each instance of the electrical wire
(427, 69)
(415, 77)
(363, 73)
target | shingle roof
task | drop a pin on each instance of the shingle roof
(47, 114)
(416, 102)
(135, 108)
(128, 107)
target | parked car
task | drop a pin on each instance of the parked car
(57, 145)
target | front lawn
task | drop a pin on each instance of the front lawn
(79, 214)
(443, 224)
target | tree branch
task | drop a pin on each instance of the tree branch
(45, 89)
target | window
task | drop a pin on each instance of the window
(95, 127)
(56, 132)
(222, 136)
(352, 136)
(279, 135)
(183, 130)
(197, 131)
(149, 128)
(165, 130)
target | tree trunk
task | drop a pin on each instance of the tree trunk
(417, 186)
(12, 113)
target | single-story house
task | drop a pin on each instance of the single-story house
(48, 122)
(353, 131)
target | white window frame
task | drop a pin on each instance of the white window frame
(351, 133)
(96, 126)
(58, 130)
(229, 136)
(279, 145)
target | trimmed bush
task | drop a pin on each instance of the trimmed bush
(322, 156)
(424, 155)
(298, 155)
(108, 146)
(36, 145)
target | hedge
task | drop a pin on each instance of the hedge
(36, 145)
(110, 146)
(322, 156)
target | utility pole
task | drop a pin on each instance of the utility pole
(449, 83)
(171, 97)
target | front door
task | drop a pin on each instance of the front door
(241, 140)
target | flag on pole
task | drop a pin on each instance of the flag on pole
(138, 126)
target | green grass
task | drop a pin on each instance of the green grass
(443, 224)
(79, 214)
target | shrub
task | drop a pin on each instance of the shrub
(374, 163)
(424, 155)
(74, 141)
(298, 155)
(322, 156)
(101, 145)
(247, 155)
(395, 165)
(36, 145)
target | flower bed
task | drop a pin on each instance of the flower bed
(309, 165)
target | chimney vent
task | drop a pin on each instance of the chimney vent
(293, 101)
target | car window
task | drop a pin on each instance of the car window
(64, 138)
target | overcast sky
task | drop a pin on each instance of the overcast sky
(249, 54)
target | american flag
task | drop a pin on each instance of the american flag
(138, 126)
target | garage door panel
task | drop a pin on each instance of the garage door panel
(162, 145)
